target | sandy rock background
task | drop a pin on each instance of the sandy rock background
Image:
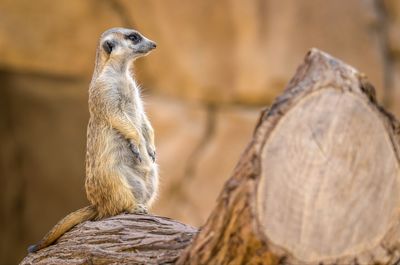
(216, 65)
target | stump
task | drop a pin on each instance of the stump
(319, 183)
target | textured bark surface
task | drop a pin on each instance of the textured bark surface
(122, 239)
(236, 232)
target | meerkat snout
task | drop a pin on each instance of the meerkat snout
(153, 45)
(145, 46)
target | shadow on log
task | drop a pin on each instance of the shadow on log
(318, 184)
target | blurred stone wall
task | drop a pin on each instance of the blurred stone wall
(216, 65)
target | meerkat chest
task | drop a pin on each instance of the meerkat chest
(129, 97)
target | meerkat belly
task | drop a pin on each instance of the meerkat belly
(106, 185)
(131, 169)
(124, 172)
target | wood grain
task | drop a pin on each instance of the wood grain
(325, 180)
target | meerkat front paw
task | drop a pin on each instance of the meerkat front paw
(152, 153)
(135, 150)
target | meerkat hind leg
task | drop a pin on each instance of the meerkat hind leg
(140, 209)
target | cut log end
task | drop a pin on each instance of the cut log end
(329, 184)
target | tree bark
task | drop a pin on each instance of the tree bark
(122, 239)
(318, 184)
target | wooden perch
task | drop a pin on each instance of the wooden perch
(122, 239)
(318, 184)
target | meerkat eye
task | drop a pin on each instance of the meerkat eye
(134, 37)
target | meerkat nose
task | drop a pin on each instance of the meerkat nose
(153, 45)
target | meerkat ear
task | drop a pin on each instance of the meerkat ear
(108, 46)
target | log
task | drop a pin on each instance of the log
(122, 239)
(318, 184)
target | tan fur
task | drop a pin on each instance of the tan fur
(121, 175)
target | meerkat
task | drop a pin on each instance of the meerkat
(121, 173)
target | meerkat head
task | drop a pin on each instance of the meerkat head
(125, 43)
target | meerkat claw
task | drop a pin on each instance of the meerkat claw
(135, 151)
(152, 154)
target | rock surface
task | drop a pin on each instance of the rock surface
(242, 47)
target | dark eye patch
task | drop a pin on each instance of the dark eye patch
(134, 37)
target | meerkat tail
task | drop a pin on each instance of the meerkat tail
(68, 222)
